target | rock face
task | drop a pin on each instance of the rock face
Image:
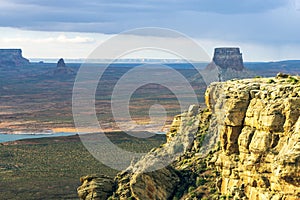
(12, 58)
(229, 58)
(228, 62)
(62, 69)
(95, 187)
(258, 123)
(244, 145)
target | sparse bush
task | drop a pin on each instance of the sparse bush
(191, 189)
(175, 198)
(193, 194)
(201, 139)
(223, 197)
(212, 190)
(200, 181)
(293, 80)
(271, 81)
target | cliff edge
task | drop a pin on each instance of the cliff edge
(244, 145)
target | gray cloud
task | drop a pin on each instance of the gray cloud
(245, 20)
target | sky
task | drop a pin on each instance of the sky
(265, 30)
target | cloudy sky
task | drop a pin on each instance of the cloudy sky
(265, 30)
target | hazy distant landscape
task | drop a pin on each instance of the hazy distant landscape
(34, 100)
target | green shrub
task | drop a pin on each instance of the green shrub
(212, 190)
(223, 197)
(191, 189)
(293, 80)
(271, 81)
(200, 181)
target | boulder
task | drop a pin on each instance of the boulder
(95, 187)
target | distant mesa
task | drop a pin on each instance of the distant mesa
(63, 69)
(229, 58)
(12, 58)
(228, 62)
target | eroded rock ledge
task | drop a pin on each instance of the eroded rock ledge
(258, 123)
(244, 145)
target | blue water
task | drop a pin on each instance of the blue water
(14, 137)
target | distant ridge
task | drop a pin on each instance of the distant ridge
(12, 58)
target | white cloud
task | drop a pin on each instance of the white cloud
(62, 38)
(40, 44)
(253, 51)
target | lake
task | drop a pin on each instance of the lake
(14, 137)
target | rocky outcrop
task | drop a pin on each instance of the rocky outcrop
(95, 187)
(258, 124)
(62, 69)
(229, 57)
(139, 181)
(228, 63)
(12, 58)
(244, 145)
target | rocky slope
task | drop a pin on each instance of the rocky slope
(244, 145)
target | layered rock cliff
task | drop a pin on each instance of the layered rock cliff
(258, 123)
(244, 145)
(228, 62)
(229, 58)
(12, 58)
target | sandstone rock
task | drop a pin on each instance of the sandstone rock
(254, 126)
(98, 187)
(227, 64)
(154, 185)
(143, 183)
(228, 58)
(264, 156)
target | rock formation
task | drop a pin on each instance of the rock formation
(95, 187)
(258, 123)
(228, 62)
(244, 145)
(62, 69)
(12, 58)
(229, 58)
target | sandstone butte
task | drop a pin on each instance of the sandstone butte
(244, 145)
(12, 58)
